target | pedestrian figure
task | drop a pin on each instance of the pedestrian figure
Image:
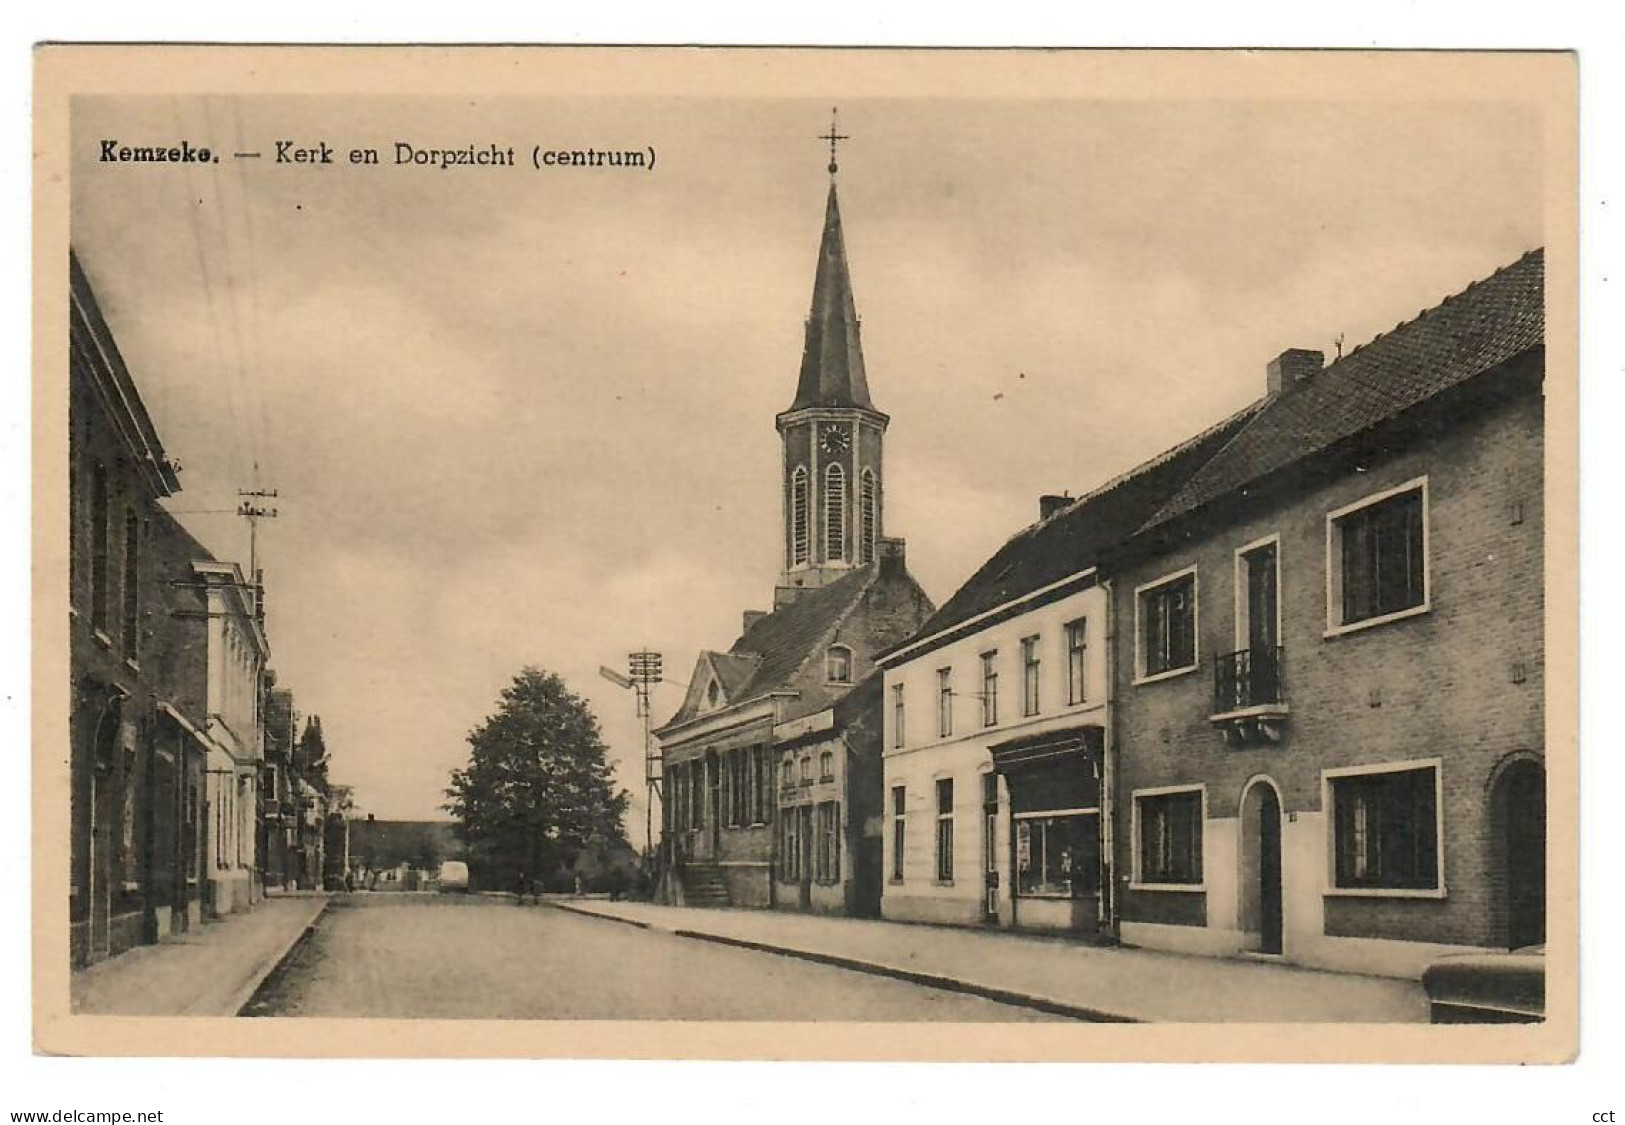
(523, 883)
(349, 881)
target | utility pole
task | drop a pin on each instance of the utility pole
(645, 668)
(251, 507)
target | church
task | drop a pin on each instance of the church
(771, 767)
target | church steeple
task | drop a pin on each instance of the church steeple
(832, 434)
(832, 359)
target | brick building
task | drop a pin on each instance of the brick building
(134, 756)
(1329, 686)
(763, 764)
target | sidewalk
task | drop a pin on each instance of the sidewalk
(1051, 974)
(211, 971)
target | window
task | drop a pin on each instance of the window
(869, 516)
(737, 791)
(827, 861)
(1386, 830)
(1058, 856)
(697, 773)
(788, 772)
(899, 799)
(826, 766)
(1167, 625)
(838, 664)
(945, 702)
(1170, 837)
(99, 562)
(990, 688)
(798, 517)
(834, 513)
(945, 830)
(897, 715)
(130, 631)
(1077, 660)
(1029, 676)
(1377, 557)
(764, 784)
(790, 847)
(712, 694)
(806, 770)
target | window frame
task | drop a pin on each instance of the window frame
(835, 513)
(830, 657)
(1031, 676)
(1328, 804)
(899, 715)
(800, 517)
(1077, 680)
(1137, 881)
(945, 702)
(1335, 626)
(899, 839)
(1243, 606)
(868, 515)
(944, 839)
(1140, 594)
(990, 688)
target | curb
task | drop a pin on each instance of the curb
(872, 968)
(262, 979)
(607, 917)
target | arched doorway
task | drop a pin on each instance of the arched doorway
(1518, 814)
(1259, 887)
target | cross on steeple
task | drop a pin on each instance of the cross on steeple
(833, 137)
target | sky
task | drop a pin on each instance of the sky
(519, 417)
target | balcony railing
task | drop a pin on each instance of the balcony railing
(1246, 680)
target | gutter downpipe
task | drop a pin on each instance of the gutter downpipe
(1108, 773)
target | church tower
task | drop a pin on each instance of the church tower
(832, 435)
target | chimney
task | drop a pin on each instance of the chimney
(892, 553)
(1292, 367)
(752, 616)
(1049, 505)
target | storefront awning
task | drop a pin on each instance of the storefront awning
(1080, 742)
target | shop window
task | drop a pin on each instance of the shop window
(1385, 829)
(1169, 847)
(1166, 613)
(1058, 856)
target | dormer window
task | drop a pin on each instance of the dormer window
(838, 665)
(712, 694)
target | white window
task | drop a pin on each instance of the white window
(1168, 827)
(1385, 829)
(1377, 558)
(1165, 625)
(1077, 660)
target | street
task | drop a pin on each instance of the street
(407, 956)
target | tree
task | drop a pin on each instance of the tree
(537, 789)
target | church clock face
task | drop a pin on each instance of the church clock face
(834, 439)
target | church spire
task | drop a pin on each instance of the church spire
(832, 358)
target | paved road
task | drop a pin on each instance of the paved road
(456, 957)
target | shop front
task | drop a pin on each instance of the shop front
(1053, 783)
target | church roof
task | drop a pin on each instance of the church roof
(832, 358)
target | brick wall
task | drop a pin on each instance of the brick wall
(1462, 682)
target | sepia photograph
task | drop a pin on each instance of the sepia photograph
(640, 547)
